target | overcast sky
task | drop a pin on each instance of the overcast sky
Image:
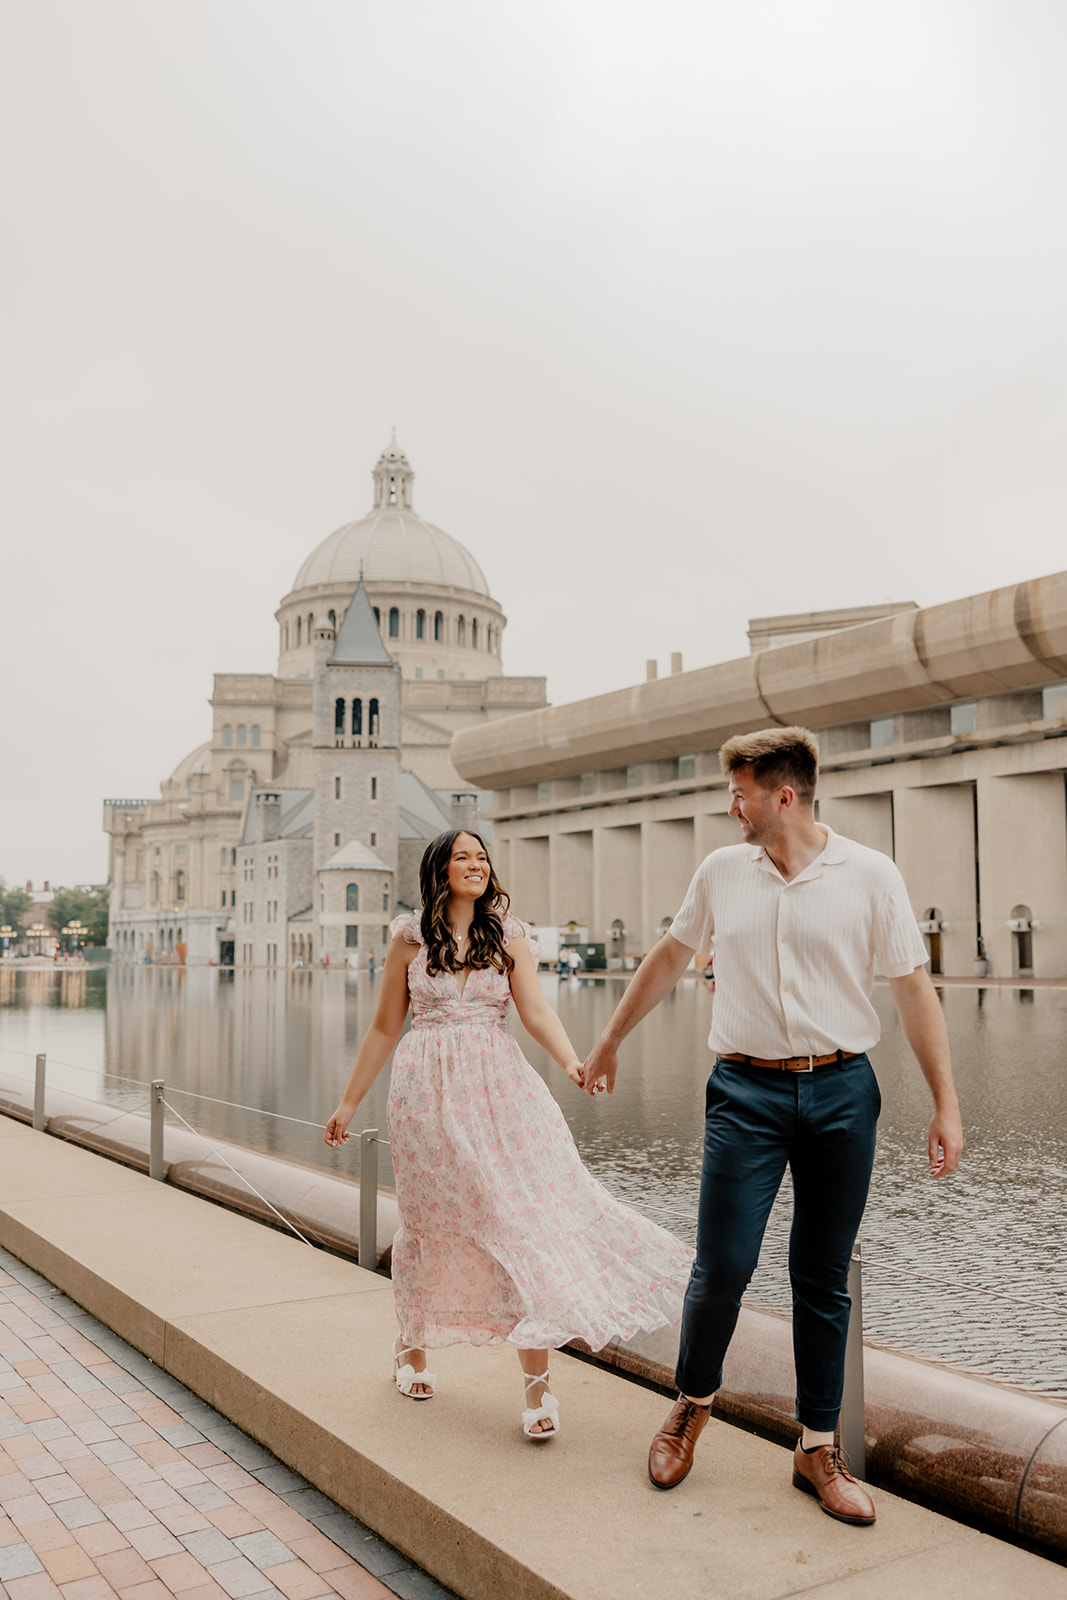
(685, 311)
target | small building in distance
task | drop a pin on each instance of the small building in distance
(943, 742)
(294, 832)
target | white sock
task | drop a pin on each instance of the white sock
(810, 1439)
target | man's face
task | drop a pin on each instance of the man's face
(757, 809)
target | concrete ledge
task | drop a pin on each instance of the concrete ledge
(293, 1344)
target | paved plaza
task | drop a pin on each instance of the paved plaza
(116, 1481)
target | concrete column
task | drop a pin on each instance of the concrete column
(1022, 855)
(618, 887)
(529, 887)
(714, 831)
(571, 874)
(935, 847)
(667, 863)
(867, 818)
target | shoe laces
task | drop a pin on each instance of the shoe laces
(689, 1413)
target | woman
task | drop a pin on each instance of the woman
(504, 1235)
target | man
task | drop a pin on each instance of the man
(801, 919)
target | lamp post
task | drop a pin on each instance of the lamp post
(6, 936)
(75, 933)
(36, 933)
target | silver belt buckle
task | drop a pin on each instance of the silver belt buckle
(811, 1063)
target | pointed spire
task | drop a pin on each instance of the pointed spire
(359, 640)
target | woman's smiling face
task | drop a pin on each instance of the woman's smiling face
(468, 868)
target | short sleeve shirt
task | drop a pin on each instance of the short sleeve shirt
(795, 962)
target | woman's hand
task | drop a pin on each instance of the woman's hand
(573, 1069)
(337, 1127)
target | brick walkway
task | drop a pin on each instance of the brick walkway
(116, 1481)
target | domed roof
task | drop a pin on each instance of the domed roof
(392, 543)
(198, 760)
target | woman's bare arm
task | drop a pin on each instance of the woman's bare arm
(535, 1013)
(380, 1037)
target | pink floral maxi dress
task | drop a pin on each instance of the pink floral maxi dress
(504, 1235)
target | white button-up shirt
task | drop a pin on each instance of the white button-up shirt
(795, 962)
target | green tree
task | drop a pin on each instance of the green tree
(15, 906)
(89, 906)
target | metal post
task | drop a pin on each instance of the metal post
(38, 1096)
(155, 1137)
(853, 1419)
(368, 1199)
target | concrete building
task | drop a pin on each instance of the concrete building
(293, 833)
(943, 741)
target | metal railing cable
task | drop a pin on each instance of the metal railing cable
(246, 1181)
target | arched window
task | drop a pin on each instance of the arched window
(339, 717)
(357, 717)
(299, 626)
(474, 633)
(438, 627)
(420, 624)
(394, 623)
(333, 619)
(377, 616)
(227, 736)
(242, 736)
(372, 720)
(337, 787)
(385, 897)
(352, 897)
(461, 630)
(179, 887)
(255, 736)
(311, 624)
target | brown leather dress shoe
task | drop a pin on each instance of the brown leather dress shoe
(823, 1473)
(671, 1455)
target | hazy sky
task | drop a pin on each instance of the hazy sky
(685, 311)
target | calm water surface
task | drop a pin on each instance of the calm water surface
(283, 1043)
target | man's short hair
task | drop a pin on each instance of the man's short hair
(775, 757)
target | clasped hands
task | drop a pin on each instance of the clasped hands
(597, 1072)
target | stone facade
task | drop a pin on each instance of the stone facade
(242, 856)
(943, 742)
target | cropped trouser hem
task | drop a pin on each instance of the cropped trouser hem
(821, 1126)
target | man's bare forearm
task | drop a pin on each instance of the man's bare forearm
(924, 1027)
(654, 978)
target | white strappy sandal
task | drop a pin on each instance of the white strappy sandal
(547, 1411)
(406, 1376)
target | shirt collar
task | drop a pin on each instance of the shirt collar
(832, 854)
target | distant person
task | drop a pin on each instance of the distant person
(801, 920)
(371, 963)
(574, 962)
(504, 1235)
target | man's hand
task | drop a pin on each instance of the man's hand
(924, 1025)
(600, 1068)
(946, 1142)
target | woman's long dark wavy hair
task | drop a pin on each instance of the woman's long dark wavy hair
(486, 947)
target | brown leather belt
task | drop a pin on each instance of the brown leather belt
(795, 1063)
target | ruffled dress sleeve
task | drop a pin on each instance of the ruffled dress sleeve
(407, 924)
(515, 928)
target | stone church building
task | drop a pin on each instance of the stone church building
(294, 832)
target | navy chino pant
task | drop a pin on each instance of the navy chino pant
(822, 1126)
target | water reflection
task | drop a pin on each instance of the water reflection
(284, 1042)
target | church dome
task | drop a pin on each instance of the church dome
(392, 543)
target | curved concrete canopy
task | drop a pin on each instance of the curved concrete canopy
(1006, 640)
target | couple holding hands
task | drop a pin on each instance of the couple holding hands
(505, 1236)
